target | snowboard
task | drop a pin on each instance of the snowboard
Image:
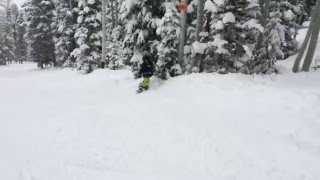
(140, 90)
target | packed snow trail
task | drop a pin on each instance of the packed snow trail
(62, 125)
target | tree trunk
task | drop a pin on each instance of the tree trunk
(103, 58)
(70, 4)
(264, 17)
(200, 12)
(314, 40)
(183, 30)
(296, 65)
(208, 25)
(301, 16)
(112, 13)
(116, 13)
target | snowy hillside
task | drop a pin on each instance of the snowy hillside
(62, 125)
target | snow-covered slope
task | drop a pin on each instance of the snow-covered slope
(62, 125)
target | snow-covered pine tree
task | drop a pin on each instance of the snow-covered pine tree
(290, 14)
(88, 35)
(3, 23)
(116, 57)
(15, 27)
(168, 30)
(21, 40)
(115, 54)
(233, 28)
(190, 35)
(131, 16)
(7, 47)
(65, 22)
(140, 18)
(7, 44)
(309, 4)
(273, 40)
(39, 17)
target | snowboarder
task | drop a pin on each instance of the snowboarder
(146, 71)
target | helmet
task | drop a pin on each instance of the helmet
(146, 58)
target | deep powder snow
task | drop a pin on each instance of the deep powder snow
(62, 125)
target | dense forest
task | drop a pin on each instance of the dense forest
(223, 36)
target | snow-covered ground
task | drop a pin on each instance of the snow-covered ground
(62, 125)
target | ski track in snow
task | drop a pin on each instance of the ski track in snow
(63, 125)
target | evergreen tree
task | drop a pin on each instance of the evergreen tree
(7, 44)
(116, 56)
(289, 15)
(21, 41)
(234, 26)
(65, 23)
(88, 35)
(39, 16)
(140, 19)
(308, 6)
(7, 47)
(168, 30)
(15, 27)
(273, 41)
(191, 31)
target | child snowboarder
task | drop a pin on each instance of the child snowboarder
(146, 71)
